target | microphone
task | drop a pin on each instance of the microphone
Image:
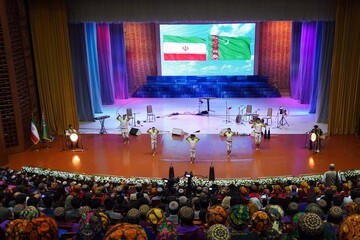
(257, 110)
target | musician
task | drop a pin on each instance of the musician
(258, 126)
(68, 132)
(153, 136)
(229, 136)
(319, 135)
(124, 120)
(192, 139)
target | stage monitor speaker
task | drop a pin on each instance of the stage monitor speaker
(177, 131)
(135, 131)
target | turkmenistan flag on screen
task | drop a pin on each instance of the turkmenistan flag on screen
(228, 48)
(177, 48)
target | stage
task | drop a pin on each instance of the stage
(284, 154)
(281, 155)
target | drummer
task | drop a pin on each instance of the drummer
(68, 132)
(318, 133)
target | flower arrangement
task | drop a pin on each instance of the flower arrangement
(197, 181)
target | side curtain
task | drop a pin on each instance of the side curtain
(93, 66)
(324, 73)
(105, 64)
(119, 60)
(345, 78)
(50, 37)
(80, 70)
(311, 54)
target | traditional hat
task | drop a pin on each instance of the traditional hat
(311, 224)
(18, 208)
(144, 209)
(293, 207)
(84, 210)
(29, 213)
(349, 229)
(186, 213)
(44, 228)
(336, 212)
(239, 216)
(90, 225)
(173, 205)
(216, 214)
(105, 221)
(166, 231)
(133, 214)
(253, 208)
(59, 211)
(183, 200)
(260, 221)
(244, 191)
(218, 232)
(314, 208)
(16, 229)
(226, 202)
(322, 203)
(357, 201)
(351, 209)
(155, 216)
(275, 212)
(126, 231)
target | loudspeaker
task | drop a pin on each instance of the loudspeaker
(177, 131)
(135, 131)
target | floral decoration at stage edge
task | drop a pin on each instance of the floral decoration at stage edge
(182, 181)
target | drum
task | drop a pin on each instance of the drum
(313, 137)
(322, 137)
(74, 137)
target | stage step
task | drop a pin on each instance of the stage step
(206, 86)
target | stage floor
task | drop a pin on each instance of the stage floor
(284, 154)
(281, 155)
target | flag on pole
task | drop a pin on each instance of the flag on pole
(34, 132)
(228, 48)
(44, 129)
(184, 48)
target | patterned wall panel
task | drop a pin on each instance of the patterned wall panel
(140, 53)
(274, 53)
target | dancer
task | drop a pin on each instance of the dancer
(124, 127)
(258, 125)
(153, 136)
(229, 135)
(192, 139)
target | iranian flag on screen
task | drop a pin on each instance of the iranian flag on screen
(184, 48)
(229, 48)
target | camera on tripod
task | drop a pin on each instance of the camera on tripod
(282, 111)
